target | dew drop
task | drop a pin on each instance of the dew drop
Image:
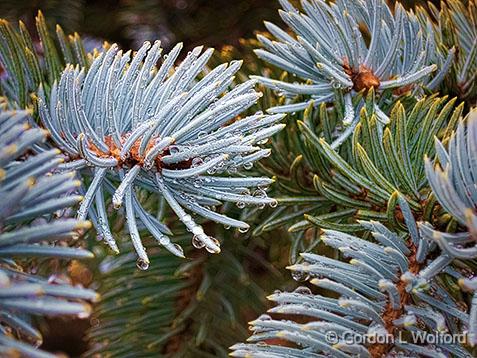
(197, 243)
(173, 149)
(303, 290)
(265, 317)
(336, 85)
(232, 170)
(117, 205)
(179, 249)
(299, 276)
(142, 264)
(248, 166)
(243, 229)
(240, 204)
(216, 242)
(260, 193)
(246, 191)
(164, 240)
(196, 162)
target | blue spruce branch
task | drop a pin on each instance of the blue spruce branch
(131, 125)
(331, 59)
(385, 285)
(32, 199)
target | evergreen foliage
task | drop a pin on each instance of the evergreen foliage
(31, 201)
(455, 26)
(330, 52)
(169, 133)
(177, 307)
(345, 144)
(27, 68)
(385, 192)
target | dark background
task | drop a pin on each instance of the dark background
(130, 22)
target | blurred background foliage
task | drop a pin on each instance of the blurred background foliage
(131, 22)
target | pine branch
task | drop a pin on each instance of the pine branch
(127, 121)
(455, 27)
(176, 308)
(357, 180)
(453, 184)
(386, 287)
(371, 168)
(32, 199)
(328, 53)
(28, 68)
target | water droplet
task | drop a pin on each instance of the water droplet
(260, 193)
(142, 264)
(201, 134)
(303, 290)
(117, 205)
(243, 229)
(299, 276)
(173, 149)
(248, 166)
(197, 243)
(216, 242)
(179, 249)
(265, 317)
(240, 204)
(196, 162)
(273, 203)
(163, 240)
(232, 170)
